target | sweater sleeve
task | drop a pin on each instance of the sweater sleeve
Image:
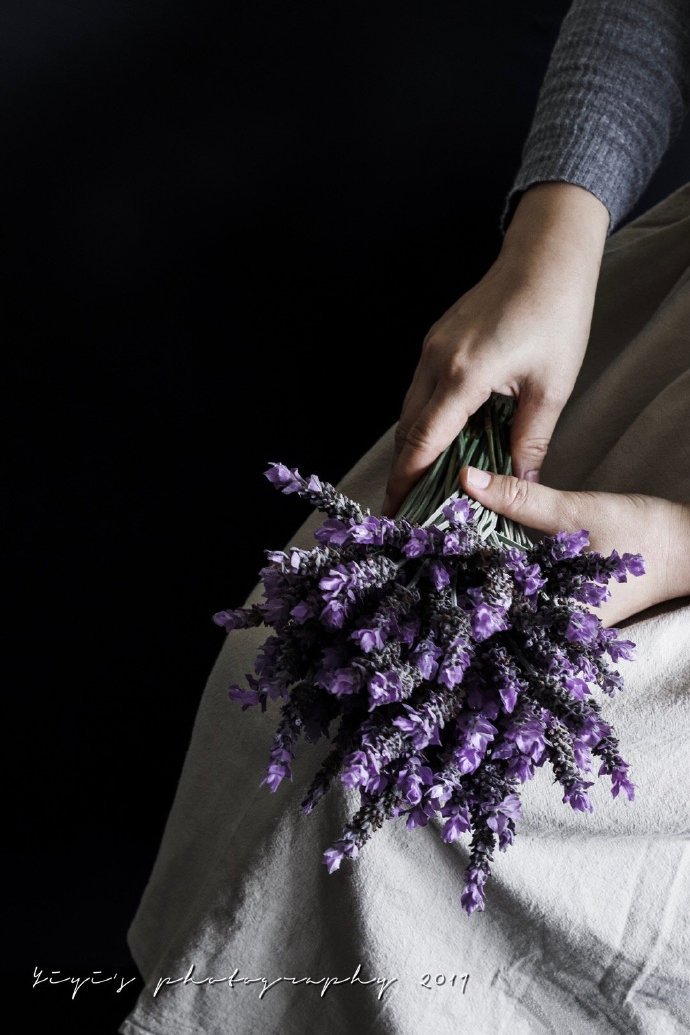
(614, 96)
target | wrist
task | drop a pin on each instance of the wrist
(557, 223)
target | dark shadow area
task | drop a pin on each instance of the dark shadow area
(218, 219)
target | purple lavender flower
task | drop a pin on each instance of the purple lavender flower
(335, 583)
(593, 729)
(582, 628)
(425, 656)
(438, 573)
(622, 783)
(453, 668)
(629, 562)
(246, 698)
(457, 511)
(474, 734)
(356, 770)
(619, 779)
(529, 738)
(384, 688)
(618, 649)
(238, 618)
(284, 478)
(339, 850)
(509, 693)
(458, 822)
(345, 681)
(275, 774)
(577, 687)
(528, 579)
(486, 621)
(509, 688)
(582, 755)
(418, 543)
(508, 811)
(420, 815)
(420, 728)
(412, 779)
(441, 791)
(368, 639)
(454, 542)
(521, 767)
(226, 620)
(467, 758)
(368, 531)
(333, 532)
(591, 593)
(334, 614)
(473, 896)
(576, 796)
(477, 731)
(634, 562)
(303, 611)
(612, 681)
(568, 544)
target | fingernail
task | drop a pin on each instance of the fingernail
(478, 478)
(532, 476)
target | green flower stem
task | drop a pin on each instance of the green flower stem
(485, 443)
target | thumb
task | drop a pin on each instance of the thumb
(531, 504)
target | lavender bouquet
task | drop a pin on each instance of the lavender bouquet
(444, 655)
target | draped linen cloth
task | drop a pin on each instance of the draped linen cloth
(587, 920)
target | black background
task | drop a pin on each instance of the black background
(217, 219)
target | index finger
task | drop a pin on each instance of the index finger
(437, 424)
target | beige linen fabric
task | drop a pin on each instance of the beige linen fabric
(587, 926)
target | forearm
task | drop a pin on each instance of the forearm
(678, 569)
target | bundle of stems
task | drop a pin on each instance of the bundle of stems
(484, 443)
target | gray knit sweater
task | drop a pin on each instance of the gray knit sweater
(614, 96)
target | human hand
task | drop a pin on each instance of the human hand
(521, 331)
(658, 529)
